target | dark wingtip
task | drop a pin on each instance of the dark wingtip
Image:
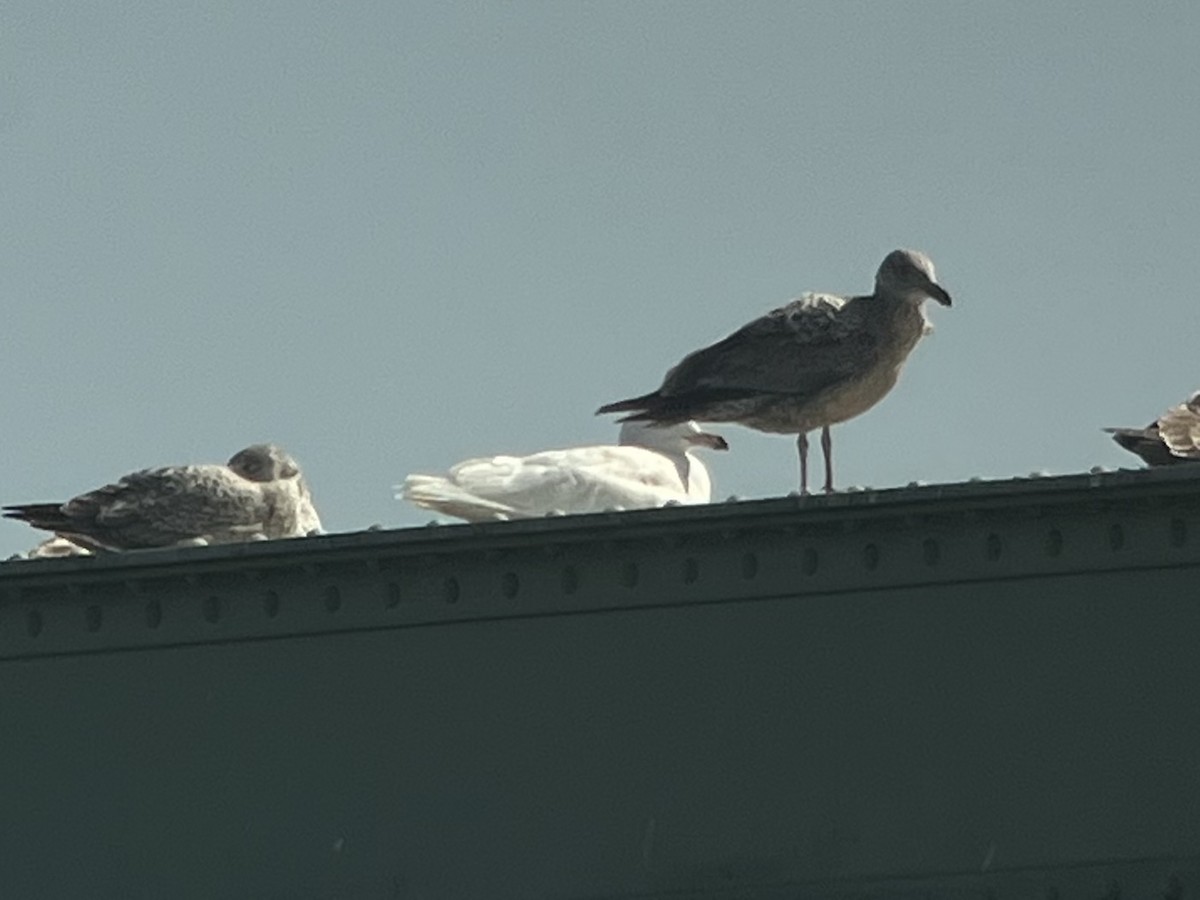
(637, 404)
(607, 408)
(40, 515)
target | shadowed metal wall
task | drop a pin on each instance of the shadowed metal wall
(960, 691)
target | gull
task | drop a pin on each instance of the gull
(1174, 437)
(52, 548)
(817, 361)
(650, 466)
(259, 495)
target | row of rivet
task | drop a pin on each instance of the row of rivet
(993, 548)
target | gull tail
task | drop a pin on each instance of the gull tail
(652, 407)
(1146, 443)
(1129, 437)
(641, 404)
(697, 403)
(444, 496)
(40, 515)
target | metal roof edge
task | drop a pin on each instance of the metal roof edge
(1176, 484)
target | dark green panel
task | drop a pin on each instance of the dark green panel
(929, 697)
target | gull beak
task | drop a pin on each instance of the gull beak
(707, 439)
(938, 293)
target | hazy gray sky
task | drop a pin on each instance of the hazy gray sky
(392, 235)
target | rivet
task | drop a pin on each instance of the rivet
(1179, 532)
(691, 571)
(510, 584)
(153, 614)
(333, 598)
(871, 556)
(1054, 542)
(450, 590)
(211, 609)
(808, 561)
(993, 546)
(931, 552)
(391, 597)
(749, 566)
(93, 618)
(570, 580)
(270, 603)
(1116, 536)
(33, 623)
(629, 574)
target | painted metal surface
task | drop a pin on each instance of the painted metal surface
(984, 689)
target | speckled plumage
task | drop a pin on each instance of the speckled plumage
(815, 362)
(258, 495)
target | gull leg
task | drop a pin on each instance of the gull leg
(802, 446)
(827, 448)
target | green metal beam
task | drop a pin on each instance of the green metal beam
(984, 689)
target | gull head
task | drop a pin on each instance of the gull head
(263, 462)
(909, 274)
(678, 438)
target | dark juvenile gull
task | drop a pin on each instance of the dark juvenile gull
(650, 466)
(818, 361)
(1172, 438)
(259, 495)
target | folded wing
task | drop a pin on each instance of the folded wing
(579, 480)
(156, 508)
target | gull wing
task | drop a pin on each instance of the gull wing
(165, 506)
(801, 348)
(578, 480)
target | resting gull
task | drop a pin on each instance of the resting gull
(1174, 437)
(53, 547)
(260, 494)
(650, 466)
(818, 361)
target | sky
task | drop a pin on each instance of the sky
(390, 236)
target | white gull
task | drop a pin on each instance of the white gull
(650, 466)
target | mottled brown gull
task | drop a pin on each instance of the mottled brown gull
(818, 361)
(1172, 438)
(650, 466)
(259, 495)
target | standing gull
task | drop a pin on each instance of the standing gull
(1174, 437)
(818, 361)
(260, 494)
(651, 465)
